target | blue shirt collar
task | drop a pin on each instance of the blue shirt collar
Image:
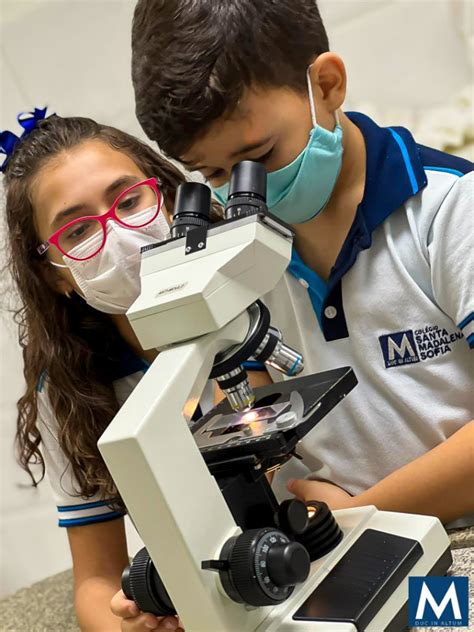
(394, 171)
(129, 364)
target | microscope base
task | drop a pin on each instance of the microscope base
(368, 590)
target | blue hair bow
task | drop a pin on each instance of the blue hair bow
(8, 140)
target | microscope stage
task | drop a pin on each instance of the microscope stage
(283, 414)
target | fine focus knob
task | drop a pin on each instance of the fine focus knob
(292, 516)
(288, 564)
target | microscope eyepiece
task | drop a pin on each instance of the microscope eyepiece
(247, 190)
(248, 178)
(192, 208)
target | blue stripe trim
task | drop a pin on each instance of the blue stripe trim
(466, 321)
(76, 522)
(317, 288)
(453, 171)
(40, 385)
(295, 366)
(406, 158)
(253, 365)
(470, 340)
(97, 503)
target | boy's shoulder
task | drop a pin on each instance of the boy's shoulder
(442, 162)
(398, 169)
(448, 190)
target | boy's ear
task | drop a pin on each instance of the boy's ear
(54, 279)
(329, 81)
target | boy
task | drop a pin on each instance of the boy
(381, 274)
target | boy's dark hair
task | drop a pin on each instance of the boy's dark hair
(192, 59)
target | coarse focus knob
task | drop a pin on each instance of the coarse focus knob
(288, 564)
(260, 567)
(142, 584)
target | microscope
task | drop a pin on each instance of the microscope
(220, 550)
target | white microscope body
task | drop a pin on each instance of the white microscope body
(192, 307)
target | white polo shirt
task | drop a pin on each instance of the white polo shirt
(73, 509)
(398, 308)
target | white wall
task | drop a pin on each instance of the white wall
(409, 62)
(403, 56)
(401, 52)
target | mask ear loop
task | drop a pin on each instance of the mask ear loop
(311, 100)
(60, 265)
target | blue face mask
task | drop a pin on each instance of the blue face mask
(300, 191)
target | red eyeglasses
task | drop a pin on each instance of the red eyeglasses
(84, 237)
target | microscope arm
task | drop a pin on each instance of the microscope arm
(174, 502)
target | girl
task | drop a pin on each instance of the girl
(81, 199)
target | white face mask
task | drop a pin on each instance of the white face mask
(110, 281)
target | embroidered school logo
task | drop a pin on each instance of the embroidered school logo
(399, 348)
(408, 347)
(438, 601)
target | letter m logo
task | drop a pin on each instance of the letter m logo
(399, 348)
(438, 601)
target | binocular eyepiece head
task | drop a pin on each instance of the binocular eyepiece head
(247, 196)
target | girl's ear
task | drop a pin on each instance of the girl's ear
(54, 279)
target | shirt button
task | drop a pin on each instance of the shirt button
(330, 312)
(304, 283)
